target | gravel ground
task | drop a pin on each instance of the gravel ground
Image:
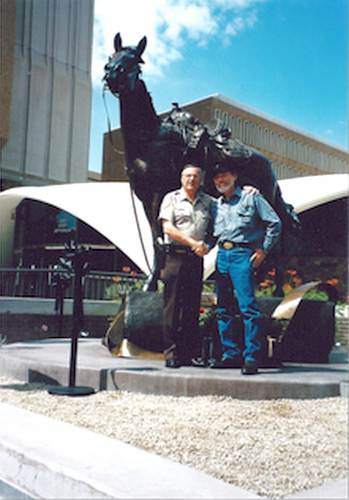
(273, 448)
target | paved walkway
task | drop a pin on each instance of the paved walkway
(48, 360)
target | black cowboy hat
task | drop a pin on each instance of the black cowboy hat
(227, 166)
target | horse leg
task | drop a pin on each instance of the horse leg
(152, 210)
(151, 283)
(278, 279)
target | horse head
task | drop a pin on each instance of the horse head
(123, 67)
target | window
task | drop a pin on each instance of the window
(281, 145)
(239, 128)
(266, 138)
(246, 135)
(217, 113)
(253, 133)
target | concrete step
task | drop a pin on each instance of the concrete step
(48, 361)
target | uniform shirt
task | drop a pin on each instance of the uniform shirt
(190, 217)
(246, 218)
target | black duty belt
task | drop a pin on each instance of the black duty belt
(177, 250)
(228, 245)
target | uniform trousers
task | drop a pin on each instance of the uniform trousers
(182, 277)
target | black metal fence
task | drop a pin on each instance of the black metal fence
(98, 285)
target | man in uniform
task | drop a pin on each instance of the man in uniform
(185, 215)
(246, 228)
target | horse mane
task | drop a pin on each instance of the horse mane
(139, 120)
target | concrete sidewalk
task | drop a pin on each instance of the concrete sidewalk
(47, 458)
(48, 361)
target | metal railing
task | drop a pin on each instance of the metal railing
(39, 282)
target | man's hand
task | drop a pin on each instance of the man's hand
(251, 189)
(200, 248)
(258, 257)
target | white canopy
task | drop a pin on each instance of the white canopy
(107, 207)
(309, 192)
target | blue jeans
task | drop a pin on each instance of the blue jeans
(235, 271)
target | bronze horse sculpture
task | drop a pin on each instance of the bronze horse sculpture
(157, 149)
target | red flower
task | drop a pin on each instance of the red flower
(333, 282)
(264, 284)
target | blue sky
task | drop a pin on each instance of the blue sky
(283, 58)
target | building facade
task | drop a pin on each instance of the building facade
(45, 93)
(292, 152)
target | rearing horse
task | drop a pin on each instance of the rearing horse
(156, 150)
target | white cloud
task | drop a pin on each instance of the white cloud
(237, 4)
(329, 131)
(240, 23)
(168, 24)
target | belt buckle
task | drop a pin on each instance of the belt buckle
(228, 245)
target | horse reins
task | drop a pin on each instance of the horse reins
(114, 148)
(131, 190)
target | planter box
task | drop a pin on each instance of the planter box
(33, 318)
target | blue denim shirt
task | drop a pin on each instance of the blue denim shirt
(246, 218)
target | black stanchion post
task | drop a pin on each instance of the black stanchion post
(61, 279)
(77, 311)
(77, 254)
(61, 311)
(59, 303)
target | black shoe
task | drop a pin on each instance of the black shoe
(227, 363)
(199, 362)
(172, 363)
(249, 368)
